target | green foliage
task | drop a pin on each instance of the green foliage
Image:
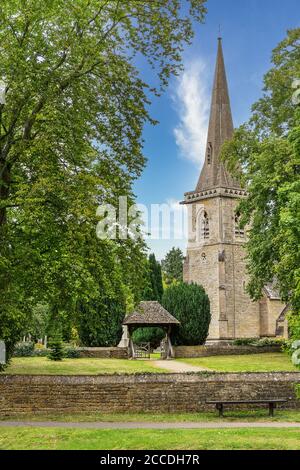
(154, 336)
(56, 348)
(38, 322)
(71, 352)
(71, 139)
(268, 150)
(244, 341)
(294, 324)
(24, 349)
(190, 305)
(172, 266)
(153, 281)
(99, 321)
(260, 342)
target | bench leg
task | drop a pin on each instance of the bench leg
(272, 406)
(219, 407)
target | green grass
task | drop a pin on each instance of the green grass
(266, 362)
(196, 439)
(260, 415)
(86, 366)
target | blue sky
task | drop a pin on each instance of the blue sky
(175, 147)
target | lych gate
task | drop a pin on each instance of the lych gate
(150, 314)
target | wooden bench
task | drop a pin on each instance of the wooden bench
(270, 401)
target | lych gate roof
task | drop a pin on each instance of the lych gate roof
(150, 313)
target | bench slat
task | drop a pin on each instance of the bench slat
(238, 402)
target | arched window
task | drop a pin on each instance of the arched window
(209, 153)
(238, 230)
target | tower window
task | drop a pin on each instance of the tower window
(204, 226)
(209, 153)
(238, 230)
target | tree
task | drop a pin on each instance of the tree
(71, 139)
(154, 285)
(152, 335)
(268, 150)
(172, 266)
(190, 305)
(56, 348)
(99, 318)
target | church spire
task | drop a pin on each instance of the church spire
(214, 174)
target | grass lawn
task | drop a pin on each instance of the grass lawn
(260, 415)
(266, 362)
(196, 439)
(86, 366)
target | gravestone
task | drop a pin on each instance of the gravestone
(2, 352)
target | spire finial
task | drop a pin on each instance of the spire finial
(220, 37)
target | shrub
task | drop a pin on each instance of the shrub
(72, 353)
(56, 348)
(244, 341)
(260, 342)
(24, 349)
(150, 335)
(190, 305)
(41, 352)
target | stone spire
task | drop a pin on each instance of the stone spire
(214, 174)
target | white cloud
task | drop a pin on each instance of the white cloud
(192, 103)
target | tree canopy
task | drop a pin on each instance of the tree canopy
(190, 304)
(71, 123)
(172, 266)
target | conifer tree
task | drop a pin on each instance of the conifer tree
(56, 348)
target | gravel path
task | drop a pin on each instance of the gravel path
(143, 425)
(176, 366)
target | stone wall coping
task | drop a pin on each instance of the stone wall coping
(152, 378)
(112, 348)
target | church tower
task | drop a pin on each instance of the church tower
(215, 253)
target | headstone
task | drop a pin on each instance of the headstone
(2, 352)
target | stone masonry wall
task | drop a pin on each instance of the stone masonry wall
(139, 393)
(219, 350)
(112, 353)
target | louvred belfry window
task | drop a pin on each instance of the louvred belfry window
(204, 226)
(238, 230)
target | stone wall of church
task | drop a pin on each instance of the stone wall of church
(224, 278)
(205, 273)
(270, 309)
(203, 265)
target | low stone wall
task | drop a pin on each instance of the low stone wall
(221, 350)
(112, 353)
(139, 393)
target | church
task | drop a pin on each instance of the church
(215, 253)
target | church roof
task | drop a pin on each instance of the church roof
(150, 313)
(214, 173)
(272, 291)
